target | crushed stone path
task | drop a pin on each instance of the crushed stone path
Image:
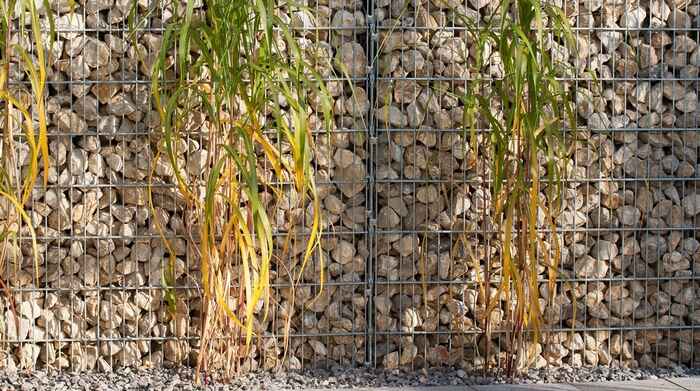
(361, 379)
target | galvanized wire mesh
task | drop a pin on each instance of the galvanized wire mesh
(406, 206)
(627, 281)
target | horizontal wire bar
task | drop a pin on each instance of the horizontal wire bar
(495, 280)
(92, 132)
(578, 29)
(353, 284)
(380, 28)
(580, 79)
(542, 180)
(466, 131)
(463, 131)
(276, 285)
(277, 233)
(146, 81)
(136, 30)
(630, 328)
(580, 229)
(176, 338)
(545, 330)
(379, 231)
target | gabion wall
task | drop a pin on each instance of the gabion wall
(400, 191)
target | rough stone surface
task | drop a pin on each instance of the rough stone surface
(353, 378)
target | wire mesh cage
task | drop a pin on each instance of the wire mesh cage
(407, 234)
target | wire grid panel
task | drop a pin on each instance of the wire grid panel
(95, 303)
(628, 282)
(98, 302)
(401, 198)
(427, 198)
(329, 326)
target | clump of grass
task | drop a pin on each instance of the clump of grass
(235, 62)
(19, 119)
(524, 145)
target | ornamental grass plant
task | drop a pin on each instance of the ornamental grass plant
(238, 63)
(516, 121)
(24, 150)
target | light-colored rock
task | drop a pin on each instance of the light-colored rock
(589, 267)
(604, 250)
(691, 204)
(351, 178)
(71, 25)
(391, 360)
(121, 105)
(387, 218)
(392, 115)
(633, 18)
(610, 39)
(623, 307)
(96, 53)
(358, 103)
(343, 252)
(629, 215)
(351, 60)
(453, 50)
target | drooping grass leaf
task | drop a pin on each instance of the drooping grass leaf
(535, 107)
(240, 65)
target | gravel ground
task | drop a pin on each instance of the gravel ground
(181, 378)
